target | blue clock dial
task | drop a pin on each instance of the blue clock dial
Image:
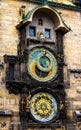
(42, 64)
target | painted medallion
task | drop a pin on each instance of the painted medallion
(43, 107)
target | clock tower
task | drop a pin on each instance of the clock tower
(36, 73)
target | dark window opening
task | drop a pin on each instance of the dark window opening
(47, 33)
(11, 71)
(32, 31)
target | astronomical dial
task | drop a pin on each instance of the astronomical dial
(43, 107)
(42, 64)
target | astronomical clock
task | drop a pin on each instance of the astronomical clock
(42, 65)
(37, 71)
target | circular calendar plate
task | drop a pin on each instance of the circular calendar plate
(43, 107)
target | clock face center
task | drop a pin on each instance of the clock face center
(44, 62)
(43, 106)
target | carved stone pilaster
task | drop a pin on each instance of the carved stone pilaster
(60, 55)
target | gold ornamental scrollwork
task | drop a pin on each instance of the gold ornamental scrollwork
(28, 102)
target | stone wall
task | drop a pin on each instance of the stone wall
(72, 51)
(9, 39)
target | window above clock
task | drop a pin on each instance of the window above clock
(32, 31)
(47, 33)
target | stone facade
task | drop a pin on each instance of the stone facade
(9, 39)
